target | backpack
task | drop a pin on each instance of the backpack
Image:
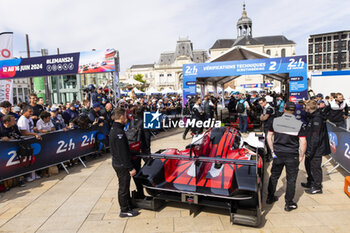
(241, 106)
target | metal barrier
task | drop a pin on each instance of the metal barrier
(54, 148)
(339, 140)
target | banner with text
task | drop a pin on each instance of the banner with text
(339, 140)
(54, 148)
(294, 66)
(71, 63)
(6, 52)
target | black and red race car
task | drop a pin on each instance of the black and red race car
(219, 169)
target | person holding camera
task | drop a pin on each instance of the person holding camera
(95, 114)
(122, 162)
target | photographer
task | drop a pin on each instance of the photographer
(95, 114)
(9, 129)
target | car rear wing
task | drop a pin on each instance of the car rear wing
(217, 160)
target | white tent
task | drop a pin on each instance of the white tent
(133, 82)
(123, 93)
(168, 91)
(229, 90)
(180, 91)
(138, 92)
(153, 91)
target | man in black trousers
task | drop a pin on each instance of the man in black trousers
(287, 141)
(122, 162)
(317, 146)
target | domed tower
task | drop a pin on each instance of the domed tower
(244, 25)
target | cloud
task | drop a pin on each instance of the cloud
(141, 30)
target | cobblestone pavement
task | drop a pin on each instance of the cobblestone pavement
(85, 201)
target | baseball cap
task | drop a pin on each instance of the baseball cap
(290, 106)
(16, 109)
(320, 101)
(319, 95)
(53, 109)
(96, 105)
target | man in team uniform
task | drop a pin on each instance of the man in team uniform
(287, 141)
(122, 162)
(266, 117)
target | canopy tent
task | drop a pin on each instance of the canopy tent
(153, 91)
(123, 93)
(168, 91)
(179, 91)
(240, 61)
(138, 92)
(235, 54)
(133, 82)
(229, 90)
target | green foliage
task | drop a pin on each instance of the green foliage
(139, 77)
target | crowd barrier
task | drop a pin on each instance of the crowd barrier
(339, 140)
(54, 148)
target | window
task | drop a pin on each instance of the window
(318, 48)
(318, 59)
(343, 57)
(329, 46)
(329, 58)
(311, 40)
(344, 36)
(336, 45)
(311, 59)
(335, 57)
(319, 39)
(283, 52)
(329, 38)
(335, 37)
(329, 67)
(324, 47)
(311, 48)
(268, 52)
(310, 67)
(343, 45)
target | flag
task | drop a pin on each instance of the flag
(6, 52)
(6, 45)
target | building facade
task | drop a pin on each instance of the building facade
(21, 88)
(329, 51)
(167, 72)
(271, 46)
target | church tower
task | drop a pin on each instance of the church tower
(244, 25)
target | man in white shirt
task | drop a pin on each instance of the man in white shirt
(44, 125)
(25, 123)
(26, 126)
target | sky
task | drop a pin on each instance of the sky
(142, 29)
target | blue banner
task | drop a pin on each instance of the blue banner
(294, 66)
(339, 140)
(54, 148)
(71, 63)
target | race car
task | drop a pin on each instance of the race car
(218, 169)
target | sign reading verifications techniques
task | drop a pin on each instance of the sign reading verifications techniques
(71, 63)
(294, 66)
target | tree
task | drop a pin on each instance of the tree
(144, 85)
(139, 77)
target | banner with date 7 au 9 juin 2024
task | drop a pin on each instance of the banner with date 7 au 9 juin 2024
(71, 63)
(296, 67)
